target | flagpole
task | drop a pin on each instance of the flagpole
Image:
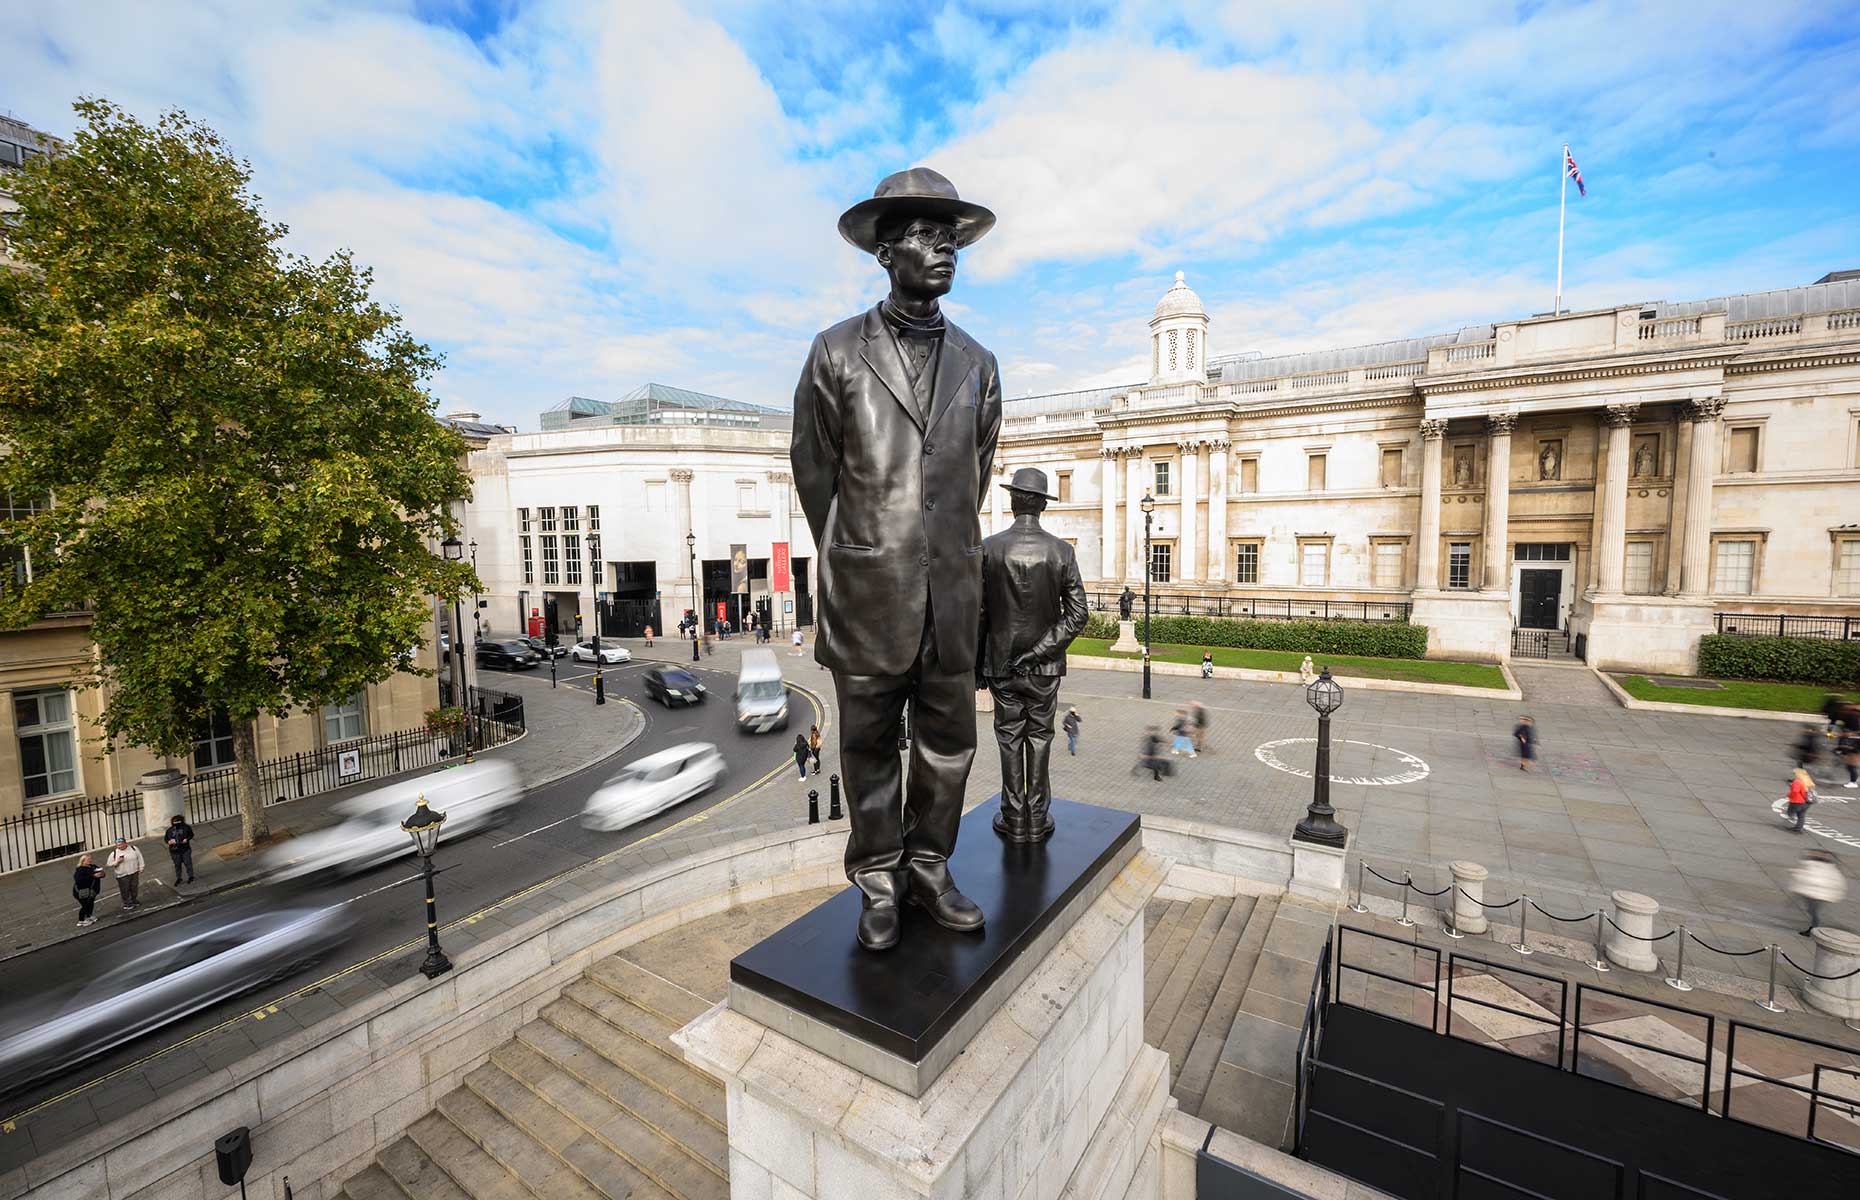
(1562, 200)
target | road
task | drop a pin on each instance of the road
(543, 841)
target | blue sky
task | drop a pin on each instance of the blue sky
(569, 197)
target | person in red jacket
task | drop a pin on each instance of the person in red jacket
(1801, 789)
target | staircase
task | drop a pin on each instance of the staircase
(589, 1102)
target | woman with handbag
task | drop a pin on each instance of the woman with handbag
(86, 883)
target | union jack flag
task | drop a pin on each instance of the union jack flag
(1574, 172)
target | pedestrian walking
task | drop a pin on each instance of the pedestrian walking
(1801, 795)
(1149, 754)
(813, 746)
(1526, 737)
(1182, 733)
(180, 841)
(1207, 664)
(800, 754)
(1849, 750)
(1818, 881)
(797, 641)
(126, 863)
(86, 884)
(1808, 748)
(1071, 726)
(649, 636)
(1198, 718)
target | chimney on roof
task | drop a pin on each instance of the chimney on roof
(463, 414)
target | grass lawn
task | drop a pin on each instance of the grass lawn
(1342, 665)
(1735, 693)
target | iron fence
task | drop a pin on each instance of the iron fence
(58, 830)
(1259, 608)
(1783, 625)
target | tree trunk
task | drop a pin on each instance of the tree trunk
(245, 764)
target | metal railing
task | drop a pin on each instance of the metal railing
(1259, 608)
(1783, 625)
(57, 830)
(1539, 643)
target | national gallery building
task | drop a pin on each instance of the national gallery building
(1610, 484)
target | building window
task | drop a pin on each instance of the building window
(1637, 569)
(1391, 467)
(547, 517)
(1734, 569)
(47, 742)
(1459, 564)
(745, 497)
(1162, 555)
(571, 518)
(15, 563)
(1541, 551)
(529, 559)
(571, 559)
(1847, 567)
(552, 571)
(594, 518)
(1246, 562)
(1741, 455)
(1162, 477)
(1249, 474)
(523, 520)
(213, 741)
(344, 720)
(1387, 564)
(1064, 487)
(1314, 472)
(1313, 564)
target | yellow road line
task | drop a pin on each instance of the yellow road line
(9, 1124)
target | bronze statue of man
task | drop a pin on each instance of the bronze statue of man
(1033, 605)
(895, 422)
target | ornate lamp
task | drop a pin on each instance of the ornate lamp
(423, 827)
(1320, 823)
(1148, 505)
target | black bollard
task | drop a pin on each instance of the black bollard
(600, 689)
(834, 812)
(813, 806)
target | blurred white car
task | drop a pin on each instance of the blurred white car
(472, 797)
(652, 785)
(610, 653)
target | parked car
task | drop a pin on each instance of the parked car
(511, 656)
(472, 797)
(542, 647)
(761, 699)
(151, 978)
(652, 785)
(673, 685)
(610, 653)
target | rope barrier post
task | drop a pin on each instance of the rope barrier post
(1601, 959)
(1769, 1004)
(1407, 881)
(1522, 945)
(1678, 981)
(1359, 907)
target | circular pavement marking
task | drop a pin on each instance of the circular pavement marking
(1816, 826)
(1413, 768)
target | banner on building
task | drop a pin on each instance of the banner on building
(739, 567)
(779, 569)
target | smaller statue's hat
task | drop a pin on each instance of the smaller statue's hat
(1031, 480)
(918, 192)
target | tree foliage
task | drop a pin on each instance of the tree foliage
(246, 468)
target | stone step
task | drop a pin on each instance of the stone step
(466, 1163)
(417, 1175)
(614, 1063)
(541, 1172)
(1170, 952)
(653, 1151)
(372, 1183)
(1156, 935)
(598, 1164)
(649, 1028)
(1198, 1000)
(1182, 969)
(657, 995)
(1204, 1054)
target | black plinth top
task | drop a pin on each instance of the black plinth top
(905, 999)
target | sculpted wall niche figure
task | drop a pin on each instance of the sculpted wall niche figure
(1549, 463)
(895, 422)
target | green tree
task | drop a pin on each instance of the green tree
(246, 471)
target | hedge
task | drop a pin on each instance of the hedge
(1309, 637)
(1786, 660)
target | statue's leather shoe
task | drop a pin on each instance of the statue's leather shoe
(951, 910)
(878, 925)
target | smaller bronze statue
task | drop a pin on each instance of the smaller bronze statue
(1033, 605)
(1126, 602)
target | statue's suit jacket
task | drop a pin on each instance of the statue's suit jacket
(1033, 602)
(892, 496)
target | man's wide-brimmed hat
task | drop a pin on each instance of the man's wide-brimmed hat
(918, 192)
(1031, 480)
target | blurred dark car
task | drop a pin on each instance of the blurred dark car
(544, 648)
(510, 656)
(673, 685)
(143, 982)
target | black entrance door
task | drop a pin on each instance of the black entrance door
(1538, 592)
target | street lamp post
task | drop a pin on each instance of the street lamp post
(477, 634)
(1320, 823)
(423, 827)
(600, 688)
(454, 552)
(697, 602)
(1148, 505)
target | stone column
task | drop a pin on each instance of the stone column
(1468, 891)
(1217, 511)
(1107, 499)
(1498, 502)
(1701, 466)
(1612, 551)
(684, 516)
(1837, 952)
(1185, 543)
(1427, 552)
(994, 496)
(1133, 517)
(1633, 913)
(781, 506)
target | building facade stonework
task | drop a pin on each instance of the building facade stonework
(1613, 478)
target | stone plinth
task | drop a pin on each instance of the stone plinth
(1468, 891)
(164, 797)
(1056, 1086)
(1646, 633)
(1475, 625)
(1127, 642)
(1634, 913)
(1837, 952)
(1317, 871)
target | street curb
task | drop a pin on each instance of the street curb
(1095, 663)
(1707, 710)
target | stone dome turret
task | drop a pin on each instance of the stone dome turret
(1179, 336)
(1179, 301)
